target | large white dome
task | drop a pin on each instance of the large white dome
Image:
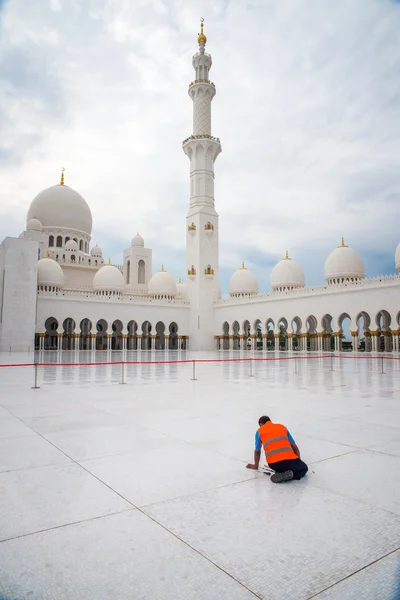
(243, 282)
(108, 279)
(287, 274)
(50, 272)
(343, 263)
(397, 258)
(61, 207)
(162, 283)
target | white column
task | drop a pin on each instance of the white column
(354, 339)
(276, 337)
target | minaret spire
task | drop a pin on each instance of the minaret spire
(202, 150)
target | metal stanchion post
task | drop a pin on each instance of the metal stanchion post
(382, 365)
(36, 387)
(122, 382)
(295, 366)
(251, 368)
(332, 362)
(194, 371)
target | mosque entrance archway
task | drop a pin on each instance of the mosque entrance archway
(146, 335)
(270, 329)
(160, 336)
(117, 339)
(283, 333)
(132, 335)
(383, 331)
(173, 336)
(101, 334)
(85, 338)
(344, 341)
(312, 339)
(296, 331)
(258, 339)
(363, 323)
(328, 339)
(68, 341)
(51, 334)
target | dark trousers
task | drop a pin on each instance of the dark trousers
(296, 465)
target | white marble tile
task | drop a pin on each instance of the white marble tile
(125, 556)
(282, 541)
(32, 451)
(367, 476)
(82, 444)
(45, 497)
(84, 419)
(11, 427)
(172, 470)
(379, 581)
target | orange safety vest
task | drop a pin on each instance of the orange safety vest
(275, 441)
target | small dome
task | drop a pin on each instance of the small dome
(243, 282)
(137, 241)
(96, 251)
(181, 288)
(34, 225)
(72, 246)
(108, 279)
(50, 272)
(287, 274)
(397, 258)
(162, 283)
(343, 263)
(60, 206)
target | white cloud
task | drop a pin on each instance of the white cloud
(307, 109)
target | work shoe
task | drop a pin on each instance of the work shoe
(281, 477)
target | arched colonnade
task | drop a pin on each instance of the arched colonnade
(360, 333)
(101, 335)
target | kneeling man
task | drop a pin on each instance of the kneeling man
(281, 452)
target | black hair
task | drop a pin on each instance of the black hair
(263, 420)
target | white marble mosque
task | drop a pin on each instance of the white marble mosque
(58, 292)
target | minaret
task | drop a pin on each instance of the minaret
(202, 220)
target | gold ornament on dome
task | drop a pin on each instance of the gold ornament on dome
(202, 39)
(342, 245)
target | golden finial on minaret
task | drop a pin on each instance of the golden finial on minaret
(287, 255)
(243, 267)
(201, 38)
(109, 260)
(62, 176)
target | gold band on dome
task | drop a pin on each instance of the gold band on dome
(202, 39)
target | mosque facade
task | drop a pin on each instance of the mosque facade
(58, 293)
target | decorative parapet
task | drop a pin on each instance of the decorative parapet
(201, 136)
(120, 298)
(208, 227)
(201, 81)
(208, 271)
(370, 282)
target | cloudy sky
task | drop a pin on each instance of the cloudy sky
(307, 109)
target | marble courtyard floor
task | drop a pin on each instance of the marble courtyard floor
(140, 491)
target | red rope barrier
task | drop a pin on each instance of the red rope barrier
(201, 360)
